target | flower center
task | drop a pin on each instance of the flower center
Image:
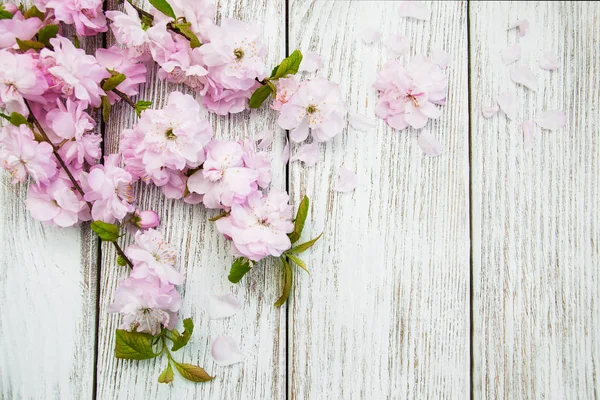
(413, 99)
(238, 53)
(170, 135)
(311, 109)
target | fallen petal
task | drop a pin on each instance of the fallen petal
(489, 111)
(370, 35)
(223, 305)
(311, 62)
(397, 44)
(525, 77)
(347, 180)
(361, 122)
(414, 9)
(507, 104)
(528, 134)
(285, 156)
(511, 54)
(441, 58)
(430, 146)
(266, 138)
(548, 61)
(551, 120)
(308, 154)
(522, 25)
(225, 351)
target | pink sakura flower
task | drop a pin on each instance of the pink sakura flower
(77, 74)
(109, 190)
(151, 255)
(286, 87)
(181, 64)
(408, 95)
(225, 178)
(147, 305)
(223, 101)
(18, 27)
(259, 227)
(318, 106)
(130, 32)
(199, 13)
(117, 59)
(86, 15)
(20, 78)
(21, 155)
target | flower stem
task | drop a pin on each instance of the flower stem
(125, 98)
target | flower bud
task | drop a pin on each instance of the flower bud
(146, 219)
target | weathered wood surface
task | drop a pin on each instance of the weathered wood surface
(536, 221)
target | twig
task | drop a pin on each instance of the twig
(125, 98)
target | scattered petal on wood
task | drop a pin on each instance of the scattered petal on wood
(548, 61)
(524, 76)
(285, 156)
(308, 154)
(522, 25)
(414, 9)
(223, 305)
(311, 62)
(430, 146)
(397, 44)
(528, 134)
(370, 35)
(552, 120)
(266, 138)
(361, 122)
(347, 180)
(441, 58)
(225, 351)
(507, 104)
(489, 111)
(511, 54)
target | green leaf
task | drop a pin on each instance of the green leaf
(105, 108)
(298, 262)
(115, 80)
(304, 246)
(289, 65)
(259, 96)
(167, 375)
(185, 30)
(287, 283)
(193, 373)
(46, 33)
(76, 42)
(163, 7)
(4, 14)
(180, 340)
(300, 219)
(133, 345)
(25, 45)
(34, 12)
(239, 268)
(121, 261)
(141, 106)
(106, 232)
(15, 118)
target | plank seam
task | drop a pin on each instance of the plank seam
(470, 131)
(288, 374)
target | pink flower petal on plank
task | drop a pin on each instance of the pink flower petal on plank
(441, 58)
(308, 154)
(524, 76)
(347, 180)
(223, 305)
(397, 44)
(552, 120)
(528, 134)
(285, 155)
(311, 62)
(265, 138)
(511, 54)
(507, 104)
(522, 25)
(430, 146)
(489, 111)
(361, 122)
(414, 9)
(548, 61)
(225, 351)
(370, 35)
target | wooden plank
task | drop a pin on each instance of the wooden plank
(48, 285)
(205, 258)
(536, 221)
(385, 311)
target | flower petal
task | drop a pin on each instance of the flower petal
(525, 77)
(370, 35)
(285, 156)
(548, 61)
(311, 62)
(441, 58)
(223, 306)
(522, 25)
(347, 180)
(308, 154)
(361, 122)
(430, 146)
(397, 44)
(414, 9)
(511, 54)
(266, 137)
(552, 120)
(507, 104)
(489, 111)
(528, 134)
(225, 351)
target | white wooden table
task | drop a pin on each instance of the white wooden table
(476, 273)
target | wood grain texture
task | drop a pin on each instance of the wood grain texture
(48, 288)
(385, 311)
(536, 221)
(206, 258)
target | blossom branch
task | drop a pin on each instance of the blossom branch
(125, 98)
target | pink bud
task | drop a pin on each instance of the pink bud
(11, 8)
(146, 219)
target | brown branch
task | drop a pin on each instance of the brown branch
(125, 98)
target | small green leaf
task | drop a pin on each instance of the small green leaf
(34, 12)
(121, 261)
(185, 30)
(288, 66)
(106, 232)
(163, 7)
(46, 33)
(180, 340)
(193, 373)
(259, 96)
(25, 45)
(105, 109)
(304, 246)
(167, 375)
(4, 14)
(133, 345)
(115, 80)
(76, 42)
(15, 118)
(141, 106)
(239, 268)
(300, 219)
(298, 262)
(287, 283)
